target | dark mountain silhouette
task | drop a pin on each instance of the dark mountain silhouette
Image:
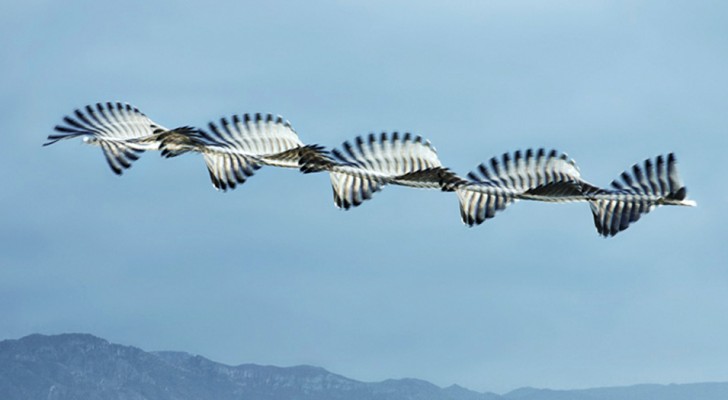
(81, 366)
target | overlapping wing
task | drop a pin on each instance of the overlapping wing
(365, 165)
(533, 175)
(235, 147)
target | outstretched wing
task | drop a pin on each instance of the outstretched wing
(235, 147)
(363, 166)
(637, 192)
(393, 158)
(534, 175)
(118, 128)
(534, 172)
(252, 135)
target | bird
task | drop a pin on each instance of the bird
(120, 129)
(554, 177)
(531, 175)
(636, 192)
(235, 147)
(363, 166)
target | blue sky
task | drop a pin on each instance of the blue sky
(272, 273)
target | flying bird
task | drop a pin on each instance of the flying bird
(554, 177)
(235, 147)
(636, 192)
(363, 167)
(120, 129)
(531, 175)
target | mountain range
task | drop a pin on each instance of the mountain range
(82, 366)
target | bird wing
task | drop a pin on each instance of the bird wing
(119, 128)
(254, 135)
(391, 157)
(366, 164)
(235, 147)
(534, 175)
(636, 192)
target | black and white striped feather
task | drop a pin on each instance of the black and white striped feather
(352, 189)
(234, 148)
(365, 165)
(118, 128)
(532, 175)
(391, 157)
(636, 192)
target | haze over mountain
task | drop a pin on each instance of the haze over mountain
(73, 366)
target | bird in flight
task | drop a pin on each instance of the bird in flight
(118, 128)
(235, 147)
(554, 177)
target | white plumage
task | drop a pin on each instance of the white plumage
(554, 177)
(235, 147)
(364, 166)
(530, 175)
(636, 192)
(120, 129)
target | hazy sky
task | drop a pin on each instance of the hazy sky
(272, 273)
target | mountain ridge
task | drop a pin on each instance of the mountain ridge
(80, 365)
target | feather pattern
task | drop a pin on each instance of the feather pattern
(364, 165)
(120, 129)
(253, 135)
(390, 156)
(235, 147)
(352, 189)
(636, 192)
(532, 175)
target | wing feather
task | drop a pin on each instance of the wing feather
(118, 128)
(532, 175)
(361, 167)
(234, 147)
(636, 192)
